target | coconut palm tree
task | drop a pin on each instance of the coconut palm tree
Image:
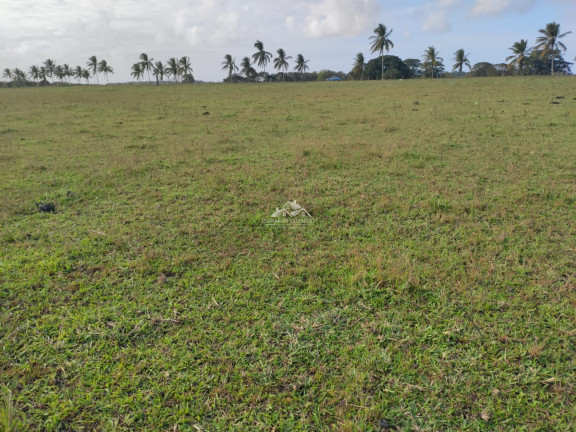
(67, 71)
(172, 68)
(105, 69)
(137, 71)
(431, 60)
(146, 65)
(185, 67)
(7, 73)
(92, 66)
(18, 75)
(159, 71)
(261, 57)
(549, 44)
(521, 53)
(246, 68)
(301, 65)
(86, 75)
(34, 73)
(50, 67)
(358, 67)
(59, 72)
(461, 59)
(77, 73)
(281, 62)
(380, 42)
(229, 64)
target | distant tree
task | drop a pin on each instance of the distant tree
(358, 66)
(185, 69)
(394, 68)
(229, 64)
(77, 73)
(415, 67)
(380, 42)
(92, 66)
(301, 65)
(261, 57)
(172, 68)
(461, 59)
(34, 73)
(246, 69)
(19, 76)
(484, 69)
(159, 71)
(432, 61)
(59, 73)
(549, 43)
(146, 65)
(7, 73)
(50, 67)
(520, 52)
(105, 68)
(137, 71)
(67, 71)
(43, 76)
(281, 62)
(86, 75)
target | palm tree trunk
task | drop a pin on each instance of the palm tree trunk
(382, 70)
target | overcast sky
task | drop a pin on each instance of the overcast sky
(329, 33)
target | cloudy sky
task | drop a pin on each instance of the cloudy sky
(329, 33)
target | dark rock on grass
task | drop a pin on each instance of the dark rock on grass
(560, 97)
(554, 103)
(46, 207)
(205, 113)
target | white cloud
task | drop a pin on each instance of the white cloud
(499, 7)
(437, 22)
(340, 17)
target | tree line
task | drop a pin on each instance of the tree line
(261, 58)
(544, 58)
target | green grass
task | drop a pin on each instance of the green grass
(434, 290)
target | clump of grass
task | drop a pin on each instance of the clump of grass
(10, 419)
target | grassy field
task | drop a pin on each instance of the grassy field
(434, 290)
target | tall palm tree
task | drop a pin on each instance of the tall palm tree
(137, 71)
(261, 57)
(159, 71)
(86, 75)
(380, 42)
(92, 66)
(549, 43)
(19, 75)
(77, 73)
(281, 62)
(42, 75)
(50, 67)
(229, 64)
(59, 72)
(184, 67)
(172, 68)
(431, 59)
(34, 73)
(301, 65)
(246, 68)
(521, 53)
(146, 65)
(461, 59)
(67, 71)
(358, 67)
(105, 68)
(7, 73)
